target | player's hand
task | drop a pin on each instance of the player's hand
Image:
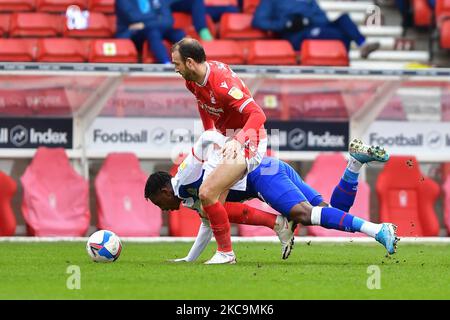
(179, 260)
(136, 26)
(231, 149)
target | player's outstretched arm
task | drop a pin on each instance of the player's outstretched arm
(203, 238)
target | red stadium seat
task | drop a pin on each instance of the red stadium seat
(446, 188)
(8, 188)
(184, 222)
(407, 198)
(121, 206)
(271, 52)
(323, 53)
(35, 24)
(17, 50)
(61, 50)
(98, 27)
(257, 231)
(221, 3)
(17, 5)
(250, 6)
(444, 34)
(55, 199)
(59, 5)
(441, 10)
(5, 20)
(105, 6)
(112, 20)
(226, 51)
(184, 21)
(113, 51)
(422, 13)
(239, 26)
(324, 176)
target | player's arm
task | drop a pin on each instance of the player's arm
(203, 238)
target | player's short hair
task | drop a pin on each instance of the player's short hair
(155, 182)
(190, 48)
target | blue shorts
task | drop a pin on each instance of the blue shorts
(278, 184)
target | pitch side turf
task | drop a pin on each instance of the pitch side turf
(314, 271)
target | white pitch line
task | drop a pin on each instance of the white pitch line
(404, 240)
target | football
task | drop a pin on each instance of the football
(104, 246)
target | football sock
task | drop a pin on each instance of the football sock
(333, 218)
(344, 193)
(220, 226)
(242, 213)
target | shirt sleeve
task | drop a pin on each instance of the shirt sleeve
(203, 238)
(235, 95)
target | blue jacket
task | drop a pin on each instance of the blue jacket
(272, 15)
(128, 12)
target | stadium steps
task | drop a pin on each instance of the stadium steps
(392, 55)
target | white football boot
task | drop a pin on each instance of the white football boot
(285, 232)
(222, 258)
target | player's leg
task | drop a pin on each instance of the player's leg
(242, 213)
(344, 193)
(216, 184)
(310, 209)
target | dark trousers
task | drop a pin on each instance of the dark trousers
(194, 7)
(155, 39)
(343, 29)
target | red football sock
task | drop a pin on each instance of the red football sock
(220, 226)
(242, 213)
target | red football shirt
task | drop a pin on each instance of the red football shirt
(224, 102)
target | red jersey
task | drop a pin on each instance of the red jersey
(224, 102)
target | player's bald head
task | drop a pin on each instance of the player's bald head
(190, 48)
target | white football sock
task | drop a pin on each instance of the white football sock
(354, 165)
(316, 214)
(371, 229)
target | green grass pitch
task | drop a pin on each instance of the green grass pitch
(314, 271)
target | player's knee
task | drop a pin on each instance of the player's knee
(301, 213)
(206, 195)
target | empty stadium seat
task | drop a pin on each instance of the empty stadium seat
(184, 222)
(441, 10)
(184, 21)
(59, 5)
(35, 24)
(257, 231)
(55, 198)
(271, 52)
(121, 206)
(407, 198)
(323, 53)
(221, 3)
(5, 20)
(98, 27)
(113, 51)
(8, 188)
(422, 13)
(446, 188)
(17, 5)
(105, 6)
(239, 26)
(17, 50)
(61, 50)
(249, 6)
(324, 176)
(226, 51)
(444, 34)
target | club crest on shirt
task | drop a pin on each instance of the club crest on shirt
(236, 93)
